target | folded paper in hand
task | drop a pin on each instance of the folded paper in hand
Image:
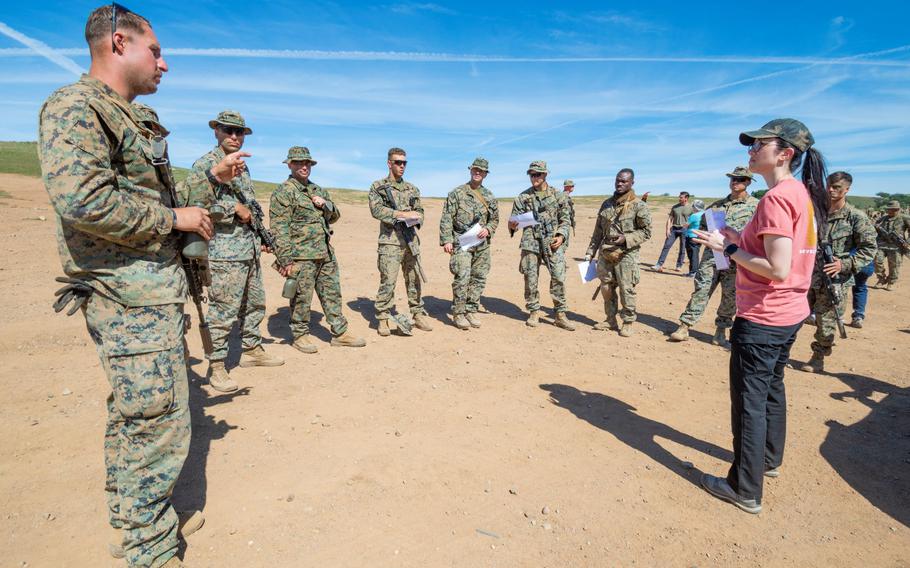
(469, 238)
(716, 221)
(524, 220)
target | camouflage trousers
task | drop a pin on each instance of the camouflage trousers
(323, 277)
(826, 314)
(529, 266)
(148, 421)
(706, 280)
(391, 258)
(888, 265)
(470, 269)
(617, 284)
(236, 294)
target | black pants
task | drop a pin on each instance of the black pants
(692, 250)
(758, 402)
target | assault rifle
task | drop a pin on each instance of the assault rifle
(256, 217)
(409, 234)
(834, 292)
(902, 245)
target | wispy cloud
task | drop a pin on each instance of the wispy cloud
(413, 8)
(837, 32)
(40, 48)
(611, 19)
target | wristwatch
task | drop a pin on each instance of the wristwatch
(211, 177)
(730, 250)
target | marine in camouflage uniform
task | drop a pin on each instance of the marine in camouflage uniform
(393, 251)
(117, 236)
(300, 213)
(888, 260)
(236, 292)
(738, 208)
(543, 244)
(852, 238)
(467, 205)
(623, 224)
(568, 187)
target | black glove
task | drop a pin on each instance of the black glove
(76, 291)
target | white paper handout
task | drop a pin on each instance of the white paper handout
(716, 221)
(411, 222)
(588, 270)
(524, 220)
(469, 238)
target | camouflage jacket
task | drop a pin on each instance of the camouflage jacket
(852, 238)
(407, 198)
(233, 240)
(899, 224)
(631, 217)
(115, 224)
(301, 229)
(463, 208)
(737, 212)
(552, 214)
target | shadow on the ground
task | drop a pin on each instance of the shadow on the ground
(364, 306)
(636, 431)
(872, 455)
(279, 325)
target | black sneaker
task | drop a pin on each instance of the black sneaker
(719, 487)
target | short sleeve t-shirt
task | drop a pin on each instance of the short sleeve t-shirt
(694, 223)
(786, 210)
(679, 214)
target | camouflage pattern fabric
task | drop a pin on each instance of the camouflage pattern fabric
(463, 208)
(737, 213)
(323, 277)
(852, 237)
(529, 266)
(618, 281)
(391, 258)
(233, 240)
(301, 229)
(407, 198)
(552, 214)
(236, 293)
(788, 129)
(571, 205)
(888, 266)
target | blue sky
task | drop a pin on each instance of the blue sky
(590, 87)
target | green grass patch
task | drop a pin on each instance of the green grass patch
(20, 158)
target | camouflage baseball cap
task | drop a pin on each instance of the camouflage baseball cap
(538, 166)
(230, 118)
(149, 117)
(894, 205)
(787, 129)
(740, 172)
(480, 164)
(299, 154)
(568, 183)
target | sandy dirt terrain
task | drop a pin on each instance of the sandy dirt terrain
(503, 446)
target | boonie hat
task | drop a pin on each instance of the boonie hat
(480, 164)
(894, 205)
(787, 129)
(568, 183)
(299, 154)
(538, 166)
(741, 172)
(230, 118)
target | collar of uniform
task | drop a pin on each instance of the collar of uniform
(300, 185)
(105, 89)
(842, 212)
(218, 152)
(391, 181)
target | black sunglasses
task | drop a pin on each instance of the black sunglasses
(114, 8)
(740, 179)
(232, 130)
(536, 175)
(400, 162)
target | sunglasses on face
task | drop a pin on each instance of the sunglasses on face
(232, 130)
(759, 144)
(536, 175)
(739, 179)
(400, 162)
(115, 7)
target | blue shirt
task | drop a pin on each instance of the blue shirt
(694, 222)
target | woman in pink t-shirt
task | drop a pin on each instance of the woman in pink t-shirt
(775, 257)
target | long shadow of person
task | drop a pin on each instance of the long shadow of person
(438, 309)
(872, 454)
(505, 308)
(279, 325)
(364, 307)
(633, 429)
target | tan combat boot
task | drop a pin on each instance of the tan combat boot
(533, 319)
(607, 324)
(347, 339)
(383, 329)
(627, 329)
(304, 345)
(219, 378)
(472, 319)
(563, 322)
(681, 333)
(461, 322)
(889, 285)
(188, 522)
(815, 365)
(257, 357)
(422, 322)
(720, 338)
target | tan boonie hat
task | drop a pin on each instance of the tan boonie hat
(787, 129)
(538, 166)
(149, 117)
(299, 154)
(568, 183)
(894, 205)
(230, 118)
(740, 172)
(480, 164)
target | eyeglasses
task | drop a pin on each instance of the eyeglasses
(400, 162)
(536, 175)
(232, 130)
(758, 145)
(114, 8)
(740, 179)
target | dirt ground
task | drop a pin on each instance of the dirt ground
(503, 446)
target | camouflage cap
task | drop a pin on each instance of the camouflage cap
(894, 205)
(299, 154)
(741, 172)
(230, 118)
(481, 164)
(568, 183)
(538, 166)
(787, 129)
(149, 117)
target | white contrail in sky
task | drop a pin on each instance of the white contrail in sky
(36, 47)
